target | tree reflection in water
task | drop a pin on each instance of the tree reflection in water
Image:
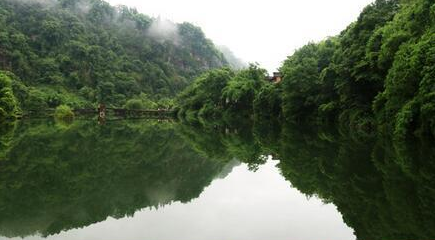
(58, 177)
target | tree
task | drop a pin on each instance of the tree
(241, 90)
(8, 103)
(268, 101)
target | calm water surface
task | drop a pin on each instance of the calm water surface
(243, 205)
(164, 180)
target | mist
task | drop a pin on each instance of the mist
(83, 7)
(80, 6)
(44, 3)
(164, 30)
(160, 30)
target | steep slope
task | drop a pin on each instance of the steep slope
(81, 52)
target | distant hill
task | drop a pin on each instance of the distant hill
(234, 61)
(81, 52)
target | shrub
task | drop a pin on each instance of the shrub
(64, 112)
(8, 103)
(134, 104)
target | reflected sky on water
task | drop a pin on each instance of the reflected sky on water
(245, 205)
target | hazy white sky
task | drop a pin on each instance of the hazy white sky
(263, 31)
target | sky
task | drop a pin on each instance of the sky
(262, 31)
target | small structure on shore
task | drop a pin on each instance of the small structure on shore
(276, 78)
(101, 113)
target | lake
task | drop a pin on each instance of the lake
(165, 180)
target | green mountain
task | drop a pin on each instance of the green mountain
(82, 52)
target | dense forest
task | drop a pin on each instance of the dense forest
(83, 52)
(228, 94)
(377, 74)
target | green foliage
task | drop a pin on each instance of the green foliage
(53, 179)
(8, 102)
(306, 83)
(267, 102)
(382, 189)
(225, 141)
(36, 100)
(241, 90)
(64, 112)
(134, 104)
(222, 92)
(165, 103)
(89, 52)
(336, 80)
(7, 129)
(379, 71)
(409, 83)
(205, 92)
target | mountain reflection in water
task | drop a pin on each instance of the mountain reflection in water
(155, 179)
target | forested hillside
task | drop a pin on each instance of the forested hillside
(379, 71)
(82, 52)
(225, 93)
(377, 74)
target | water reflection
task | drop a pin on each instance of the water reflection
(55, 178)
(58, 178)
(384, 189)
(244, 206)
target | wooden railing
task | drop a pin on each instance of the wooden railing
(103, 112)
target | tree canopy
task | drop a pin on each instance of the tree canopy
(82, 52)
(8, 102)
(377, 74)
(222, 93)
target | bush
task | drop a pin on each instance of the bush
(64, 112)
(8, 103)
(36, 100)
(165, 103)
(134, 104)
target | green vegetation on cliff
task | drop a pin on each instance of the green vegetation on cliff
(82, 52)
